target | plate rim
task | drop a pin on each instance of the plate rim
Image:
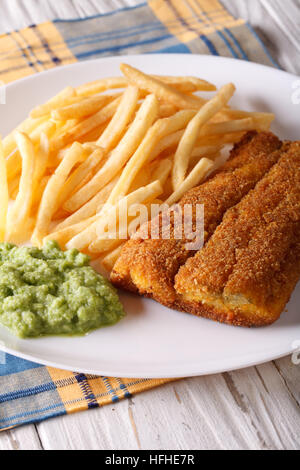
(131, 375)
(149, 56)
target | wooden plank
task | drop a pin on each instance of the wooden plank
(265, 399)
(290, 374)
(22, 438)
(238, 410)
(158, 419)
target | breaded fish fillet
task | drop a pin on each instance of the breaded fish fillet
(149, 266)
(249, 268)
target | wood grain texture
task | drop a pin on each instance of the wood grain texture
(247, 409)
(277, 23)
(254, 408)
(23, 438)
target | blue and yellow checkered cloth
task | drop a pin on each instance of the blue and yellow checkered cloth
(30, 392)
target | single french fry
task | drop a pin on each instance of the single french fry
(94, 135)
(64, 235)
(86, 126)
(227, 127)
(162, 171)
(48, 128)
(14, 161)
(188, 140)
(110, 259)
(3, 193)
(13, 186)
(160, 129)
(76, 178)
(186, 84)
(141, 179)
(166, 110)
(51, 194)
(81, 109)
(263, 123)
(219, 139)
(91, 207)
(21, 209)
(41, 161)
(121, 119)
(240, 114)
(61, 99)
(90, 146)
(119, 156)
(27, 126)
(167, 142)
(23, 235)
(162, 90)
(84, 181)
(204, 151)
(144, 216)
(104, 84)
(85, 238)
(105, 244)
(38, 194)
(199, 172)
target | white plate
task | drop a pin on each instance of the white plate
(153, 341)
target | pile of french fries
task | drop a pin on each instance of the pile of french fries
(137, 138)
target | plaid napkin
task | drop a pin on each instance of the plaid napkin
(30, 392)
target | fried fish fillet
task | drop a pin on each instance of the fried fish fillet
(249, 268)
(149, 266)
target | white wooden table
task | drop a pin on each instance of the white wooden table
(255, 408)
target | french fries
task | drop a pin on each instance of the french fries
(144, 119)
(20, 211)
(27, 126)
(98, 228)
(14, 160)
(64, 235)
(98, 86)
(186, 84)
(122, 117)
(195, 177)
(85, 126)
(104, 239)
(160, 89)
(110, 259)
(188, 140)
(84, 164)
(62, 99)
(81, 173)
(51, 194)
(92, 206)
(160, 129)
(82, 108)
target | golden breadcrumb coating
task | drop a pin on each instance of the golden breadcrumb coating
(249, 268)
(149, 266)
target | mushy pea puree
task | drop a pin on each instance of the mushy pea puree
(53, 292)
